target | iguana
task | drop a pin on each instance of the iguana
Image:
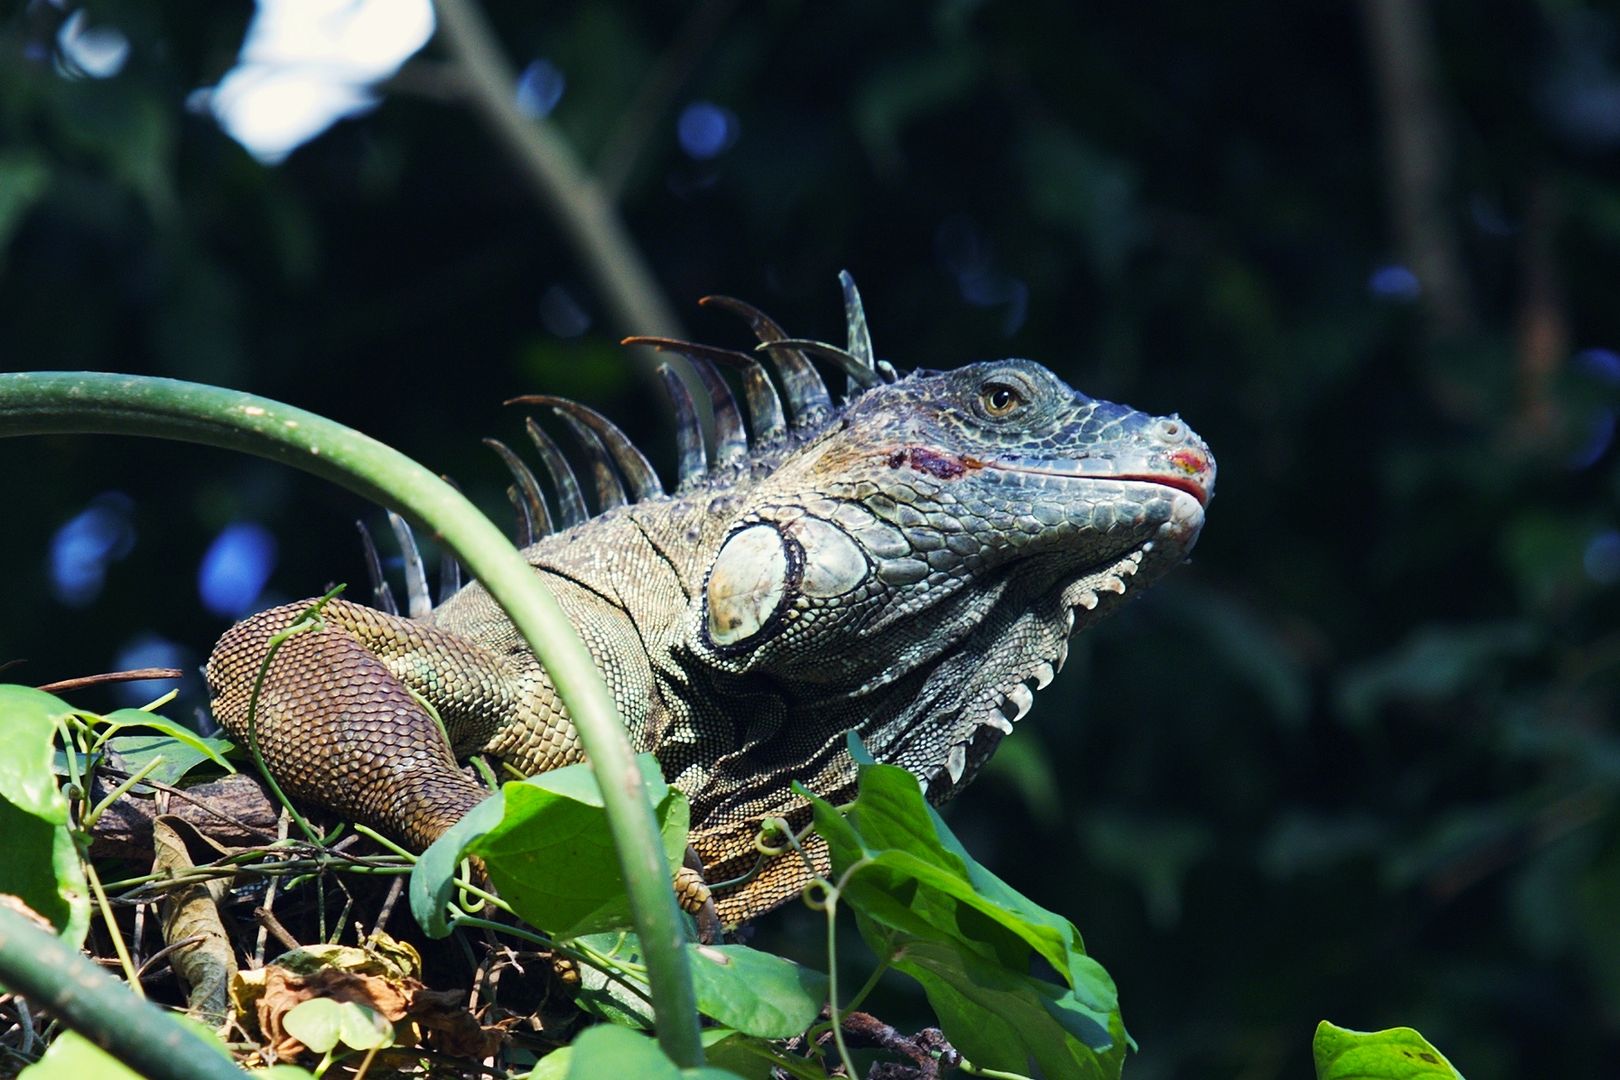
(907, 564)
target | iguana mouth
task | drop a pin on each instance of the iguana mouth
(1192, 474)
(1180, 483)
(1186, 468)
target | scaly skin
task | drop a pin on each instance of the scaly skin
(901, 566)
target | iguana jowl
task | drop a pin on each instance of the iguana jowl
(904, 564)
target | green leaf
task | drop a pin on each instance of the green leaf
(71, 1056)
(610, 1051)
(211, 749)
(74, 1057)
(609, 999)
(321, 1023)
(753, 992)
(755, 1059)
(28, 717)
(433, 878)
(552, 856)
(549, 852)
(179, 756)
(891, 825)
(756, 992)
(999, 1018)
(42, 862)
(42, 868)
(921, 902)
(1395, 1054)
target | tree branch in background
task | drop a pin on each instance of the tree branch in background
(1417, 154)
(1543, 329)
(623, 148)
(587, 217)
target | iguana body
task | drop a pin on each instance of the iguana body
(903, 565)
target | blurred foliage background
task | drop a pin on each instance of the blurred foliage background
(1359, 761)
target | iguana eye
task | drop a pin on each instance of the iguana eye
(999, 399)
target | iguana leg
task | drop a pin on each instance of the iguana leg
(338, 728)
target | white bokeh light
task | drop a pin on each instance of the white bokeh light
(305, 64)
(98, 52)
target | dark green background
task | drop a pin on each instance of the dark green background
(1359, 761)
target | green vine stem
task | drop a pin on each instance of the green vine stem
(91, 402)
(38, 965)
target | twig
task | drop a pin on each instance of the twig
(268, 921)
(343, 916)
(113, 932)
(396, 889)
(30, 1036)
(147, 964)
(132, 675)
(282, 828)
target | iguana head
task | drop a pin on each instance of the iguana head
(913, 564)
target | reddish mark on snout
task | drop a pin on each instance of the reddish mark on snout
(1190, 462)
(935, 463)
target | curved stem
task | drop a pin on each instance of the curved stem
(85, 402)
(40, 966)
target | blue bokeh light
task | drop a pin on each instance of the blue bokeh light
(1489, 218)
(561, 314)
(961, 246)
(1603, 364)
(1602, 557)
(235, 568)
(81, 550)
(148, 651)
(706, 130)
(539, 88)
(991, 289)
(1599, 434)
(1578, 89)
(1394, 282)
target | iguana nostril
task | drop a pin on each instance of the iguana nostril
(1170, 430)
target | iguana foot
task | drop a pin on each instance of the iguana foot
(692, 894)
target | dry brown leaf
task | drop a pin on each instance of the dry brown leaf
(283, 990)
(450, 1028)
(204, 967)
(264, 997)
